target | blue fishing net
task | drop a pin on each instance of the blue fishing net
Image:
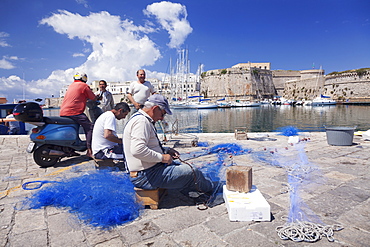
(202, 144)
(288, 131)
(302, 176)
(101, 198)
(216, 170)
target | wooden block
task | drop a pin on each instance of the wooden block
(239, 178)
(241, 133)
(151, 198)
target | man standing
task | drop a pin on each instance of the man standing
(140, 90)
(74, 104)
(105, 142)
(105, 97)
(151, 166)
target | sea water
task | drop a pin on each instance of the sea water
(266, 118)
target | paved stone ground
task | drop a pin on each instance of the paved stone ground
(339, 195)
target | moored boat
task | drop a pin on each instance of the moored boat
(322, 101)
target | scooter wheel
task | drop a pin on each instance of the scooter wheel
(44, 160)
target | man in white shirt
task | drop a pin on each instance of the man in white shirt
(140, 90)
(105, 142)
(151, 166)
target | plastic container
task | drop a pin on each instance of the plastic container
(251, 206)
(28, 112)
(340, 136)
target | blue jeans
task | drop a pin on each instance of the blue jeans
(174, 176)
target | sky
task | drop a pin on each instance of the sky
(44, 42)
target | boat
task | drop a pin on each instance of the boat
(194, 105)
(245, 103)
(265, 102)
(322, 101)
(299, 102)
(222, 104)
(252, 103)
(190, 103)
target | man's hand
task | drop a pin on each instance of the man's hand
(108, 134)
(174, 154)
(166, 159)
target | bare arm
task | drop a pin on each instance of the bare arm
(108, 134)
(137, 105)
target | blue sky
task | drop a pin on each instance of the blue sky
(43, 42)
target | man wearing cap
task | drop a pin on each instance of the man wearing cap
(151, 166)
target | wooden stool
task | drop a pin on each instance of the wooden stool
(103, 163)
(151, 198)
(107, 163)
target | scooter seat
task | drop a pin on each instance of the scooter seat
(59, 120)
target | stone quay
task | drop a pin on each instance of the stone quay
(341, 197)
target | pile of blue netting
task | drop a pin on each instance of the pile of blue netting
(288, 131)
(102, 198)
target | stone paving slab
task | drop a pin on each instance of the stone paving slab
(340, 194)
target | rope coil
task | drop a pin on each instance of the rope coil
(307, 231)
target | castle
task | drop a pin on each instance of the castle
(256, 81)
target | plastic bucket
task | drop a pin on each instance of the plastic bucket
(340, 136)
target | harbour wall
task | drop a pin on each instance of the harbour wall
(351, 86)
(238, 83)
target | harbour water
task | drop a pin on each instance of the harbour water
(266, 118)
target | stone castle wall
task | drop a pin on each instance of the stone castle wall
(280, 77)
(238, 83)
(304, 89)
(350, 86)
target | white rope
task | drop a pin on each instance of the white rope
(307, 231)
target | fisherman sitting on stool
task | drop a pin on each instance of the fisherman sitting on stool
(105, 142)
(151, 166)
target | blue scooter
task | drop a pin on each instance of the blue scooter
(54, 137)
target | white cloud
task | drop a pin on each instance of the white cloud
(172, 17)
(5, 64)
(78, 55)
(118, 47)
(3, 43)
(11, 87)
(83, 2)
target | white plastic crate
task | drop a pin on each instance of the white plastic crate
(251, 206)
